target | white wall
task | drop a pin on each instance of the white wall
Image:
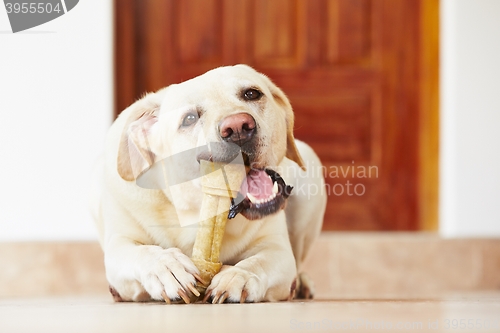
(470, 118)
(55, 106)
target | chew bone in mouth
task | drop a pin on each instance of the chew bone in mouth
(263, 192)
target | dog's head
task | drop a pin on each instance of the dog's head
(230, 110)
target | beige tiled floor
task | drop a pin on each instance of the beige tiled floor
(458, 313)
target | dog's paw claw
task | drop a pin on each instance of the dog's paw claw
(304, 287)
(115, 294)
(219, 298)
(244, 295)
(184, 296)
(165, 297)
(208, 295)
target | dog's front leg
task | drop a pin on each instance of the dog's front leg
(136, 269)
(264, 272)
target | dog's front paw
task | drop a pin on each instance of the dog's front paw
(234, 284)
(167, 274)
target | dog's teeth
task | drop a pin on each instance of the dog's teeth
(275, 188)
(271, 197)
(252, 198)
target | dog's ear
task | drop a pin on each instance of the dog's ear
(291, 149)
(134, 153)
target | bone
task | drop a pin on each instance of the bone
(220, 182)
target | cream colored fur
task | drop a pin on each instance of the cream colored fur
(146, 250)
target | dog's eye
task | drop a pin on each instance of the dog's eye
(190, 119)
(252, 94)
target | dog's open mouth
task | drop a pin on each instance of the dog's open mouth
(262, 193)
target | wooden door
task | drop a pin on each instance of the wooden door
(360, 74)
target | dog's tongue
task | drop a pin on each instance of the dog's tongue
(257, 183)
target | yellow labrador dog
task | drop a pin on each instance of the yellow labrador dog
(147, 252)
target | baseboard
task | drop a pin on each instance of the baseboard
(35, 269)
(342, 265)
(401, 265)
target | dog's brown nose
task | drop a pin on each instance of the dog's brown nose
(238, 128)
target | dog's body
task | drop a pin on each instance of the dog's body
(146, 250)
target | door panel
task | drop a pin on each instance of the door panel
(198, 32)
(350, 68)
